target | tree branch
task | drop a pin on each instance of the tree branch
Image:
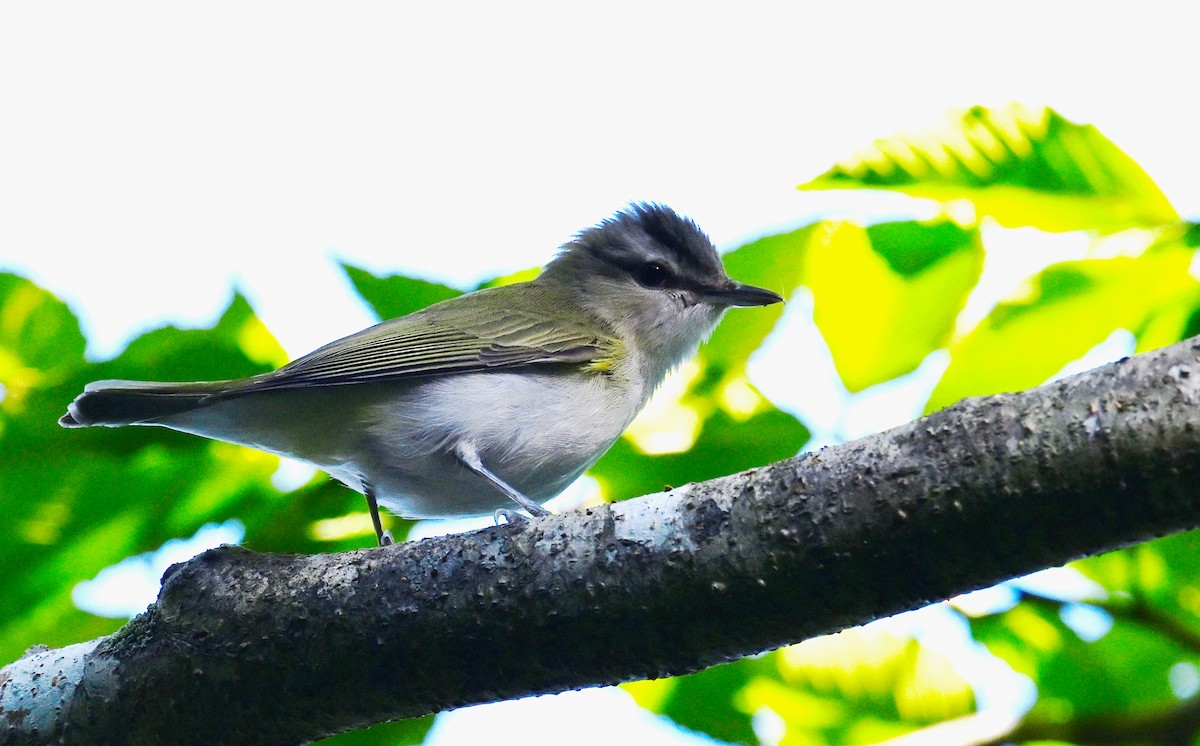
(245, 647)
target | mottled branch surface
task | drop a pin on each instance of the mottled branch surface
(245, 647)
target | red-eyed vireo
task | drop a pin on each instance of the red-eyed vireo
(498, 396)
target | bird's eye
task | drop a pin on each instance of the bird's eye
(653, 275)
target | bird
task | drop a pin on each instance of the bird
(497, 398)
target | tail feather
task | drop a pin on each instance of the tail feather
(116, 403)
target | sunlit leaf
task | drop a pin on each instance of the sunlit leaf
(887, 295)
(801, 708)
(1068, 309)
(521, 275)
(40, 339)
(1021, 166)
(863, 685)
(1178, 320)
(892, 676)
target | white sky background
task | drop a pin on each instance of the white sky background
(152, 155)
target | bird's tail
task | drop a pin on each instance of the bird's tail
(115, 403)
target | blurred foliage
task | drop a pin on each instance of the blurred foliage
(1139, 680)
(884, 297)
(861, 685)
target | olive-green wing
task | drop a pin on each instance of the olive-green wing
(450, 337)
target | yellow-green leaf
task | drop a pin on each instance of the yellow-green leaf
(886, 296)
(1068, 309)
(1021, 166)
(774, 262)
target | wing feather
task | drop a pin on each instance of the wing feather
(449, 338)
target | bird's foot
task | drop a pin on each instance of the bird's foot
(510, 517)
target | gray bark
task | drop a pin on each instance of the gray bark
(245, 647)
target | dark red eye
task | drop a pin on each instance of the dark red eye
(653, 275)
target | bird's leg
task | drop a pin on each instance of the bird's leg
(469, 457)
(384, 537)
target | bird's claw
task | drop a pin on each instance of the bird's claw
(510, 517)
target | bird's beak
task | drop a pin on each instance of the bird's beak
(735, 294)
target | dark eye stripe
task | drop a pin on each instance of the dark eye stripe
(653, 275)
(665, 276)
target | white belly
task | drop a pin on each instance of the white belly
(538, 432)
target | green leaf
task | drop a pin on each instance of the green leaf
(774, 262)
(237, 346)
(1172, 322)
(81, 500)
(725, 446)
(393, 296)
(398, 733)
(888, 295)
(1069, 308)
(706, 701)
(75, 513)
(323, 516)
(38, 334)
(1020, 166)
